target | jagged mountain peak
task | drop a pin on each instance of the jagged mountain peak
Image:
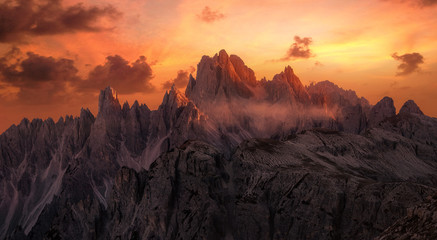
(86, 113)
(190, 86)
(221, 77)
(174, 97)
(125, 107)
(289, 86)
(410, 107)
(136, 104)
(383, 109)
(288, 70)
(222, 57)
(327, 92)
(108, 99)
(244, 72)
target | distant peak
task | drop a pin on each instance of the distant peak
(383, 109)
(223, 54)
(125, 106)
(85, 113)
(411, 107)
(110, 92)
(174, 96)
(173, 87)
(222, 57)
(387, 99)
(136, 104)
(288, 75)
(288, 70)
(108, 97)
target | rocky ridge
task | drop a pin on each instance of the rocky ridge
(332, 150)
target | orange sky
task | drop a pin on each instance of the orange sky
(353, 43)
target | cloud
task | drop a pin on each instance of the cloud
(48, 17)
(299, 49)
(39, 79)
(125, 77)
(181, 79)
(428, 2)
(36, 79)
(409, 63)
(419, 3)
(210, 16)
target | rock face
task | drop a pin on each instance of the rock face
(343, 105)
(286, 87)
(317, 185)
(382, 110)
(220, 79)
(205, 165)
(420, 223)
(410, 107)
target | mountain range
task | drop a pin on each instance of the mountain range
(231, 158)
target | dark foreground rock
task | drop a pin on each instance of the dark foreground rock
(419, 224)
(317, 185)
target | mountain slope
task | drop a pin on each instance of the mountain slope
(206, 161)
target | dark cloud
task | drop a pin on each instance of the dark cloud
(210, 16)
(428, 2)
(39, 79)
(419, 3)
(181, 79)
(409, 63)
(299, 49)
(42, 80)
(125, 77)
(19, 18)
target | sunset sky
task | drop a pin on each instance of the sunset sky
(55, 55)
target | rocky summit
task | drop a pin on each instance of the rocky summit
(231, 158)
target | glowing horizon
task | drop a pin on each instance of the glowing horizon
(352, 44)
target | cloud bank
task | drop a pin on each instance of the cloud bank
(40, 79)
(20, 18)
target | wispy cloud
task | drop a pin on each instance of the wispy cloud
(209, 16)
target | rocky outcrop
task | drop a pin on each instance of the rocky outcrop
(181, 197)
(382, 110)
(420, 223)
